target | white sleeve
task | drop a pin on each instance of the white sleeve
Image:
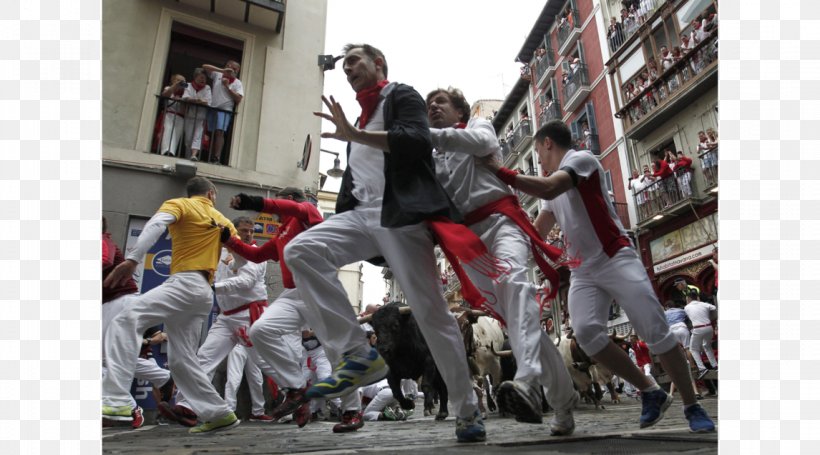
(237, 87)
(149, 235)
(583, 163)
(545, 205)
(477, 139)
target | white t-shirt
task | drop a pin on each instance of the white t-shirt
(456, 150)
(367, 163)
(220, 98)
(592, 230)
(698, 312)
(202, 95)
(239, 286)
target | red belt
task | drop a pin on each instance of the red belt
(247, 306)
(702, 325)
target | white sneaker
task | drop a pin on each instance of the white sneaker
(563, 423)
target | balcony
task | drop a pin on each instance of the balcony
(617, 38)
(709, 165)
(569, 30)
(679, 86)
(544, 67)
(552, 112)
(576, 88)
(184, 124)
(521, 137)
(666, 196)
(267, 14)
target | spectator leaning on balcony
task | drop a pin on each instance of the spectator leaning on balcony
(645, 9)
(663, 172)
(615, 34)
(174, 117)
(683, 172)
(652, 67)
(227, 94)
(198, 96)
(686, 44)
(637, 185)
(708, 158)
(628, 23)
(666, 58)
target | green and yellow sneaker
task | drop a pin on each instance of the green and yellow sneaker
(123, 413)
(352, 372)
(222, 423)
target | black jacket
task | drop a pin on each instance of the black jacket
(411, 192)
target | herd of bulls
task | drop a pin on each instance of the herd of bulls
(489, 357)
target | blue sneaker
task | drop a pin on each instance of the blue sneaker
(352, 372)
(699, 421)
(470, 429)
(654, 404)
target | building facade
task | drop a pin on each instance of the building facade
(146, 42)
(663, 73)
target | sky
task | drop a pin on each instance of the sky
(471, 45)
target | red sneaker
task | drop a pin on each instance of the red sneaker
(351, 421)
(262, 418)
(138, 418)
(302, 415)
(293, 402)
(177, 413)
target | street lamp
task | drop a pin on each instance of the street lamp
(337, 171)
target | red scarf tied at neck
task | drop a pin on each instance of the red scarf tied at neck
(198, 87)
(368, 99)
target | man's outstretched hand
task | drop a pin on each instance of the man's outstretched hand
(344, 129)
(244, 202)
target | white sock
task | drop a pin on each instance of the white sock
(651, 388)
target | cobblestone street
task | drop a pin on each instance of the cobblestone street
(613, 430)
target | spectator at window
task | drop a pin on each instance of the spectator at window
(540, 53)
(615, 34)
(646, 79)
(587, 136)
(630, 89)
(639, 85)
(653, 70)
(570, 18)
(708, 157)
(676, 54)
(666, 58)
(227, 94)
(683, 172)
(664, 172)
(629, 23)
(174, 115)
(686, 44)
(712, 138)
(198, 96)
(573, 67)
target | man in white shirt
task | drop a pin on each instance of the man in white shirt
(702, 331)
(227, 93)
(604, 266)
(478, 193)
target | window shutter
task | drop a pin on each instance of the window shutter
(590, 111)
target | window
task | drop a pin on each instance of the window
(585, 130)
(189, 48)
(632, 65)
(608, 180)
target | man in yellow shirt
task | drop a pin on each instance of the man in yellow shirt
(182, 303)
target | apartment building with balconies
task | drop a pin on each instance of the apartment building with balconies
(663, 71)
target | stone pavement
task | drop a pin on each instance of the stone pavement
(603, 431)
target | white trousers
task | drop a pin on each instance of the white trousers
(219, 343)
(681, 333)
(622, 278)
(172, 130)
(239, 360)
(146, 370)
(314, 257)
(182, 303)
(277, 338)
(316, 366)
(382, 400)
(194, 127)
(702, 340)
(514, 297)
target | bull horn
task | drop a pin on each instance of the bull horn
(405, 310)
(501, 353)
(365, 319)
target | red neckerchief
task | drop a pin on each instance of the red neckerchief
(511, 208)
(368, 99)
(460, 126)
(229, 78)
(198, 87)
(462, 247)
